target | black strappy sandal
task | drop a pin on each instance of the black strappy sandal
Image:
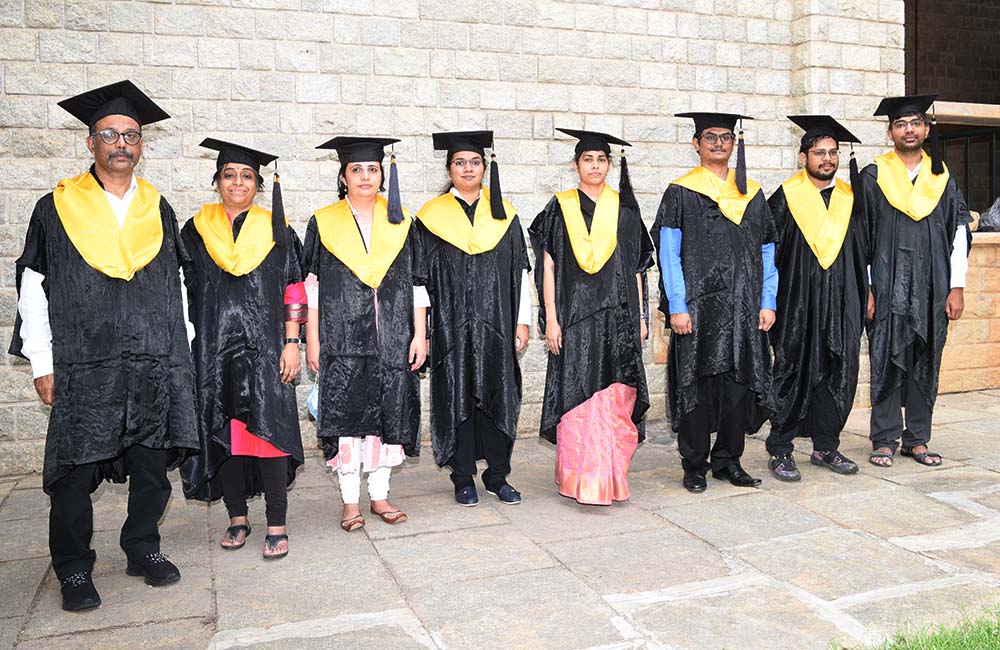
(271, 543)
(232, 532)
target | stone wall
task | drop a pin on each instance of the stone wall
(285, 75)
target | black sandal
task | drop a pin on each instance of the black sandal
(232, 532)
(271, 543)
(923, 457)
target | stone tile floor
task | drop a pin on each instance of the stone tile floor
(787, 566)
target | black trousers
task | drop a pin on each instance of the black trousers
(887, 416)
(71, 512)
(822, 424)
(235, 473)
(478, 437)
(722, 407)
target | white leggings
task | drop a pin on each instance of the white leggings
(378, 485)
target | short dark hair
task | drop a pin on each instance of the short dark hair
(218, 175)
(809, 141)
(342, 187)
(922, 116)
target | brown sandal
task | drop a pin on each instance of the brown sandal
(390, 516)
(352, 524)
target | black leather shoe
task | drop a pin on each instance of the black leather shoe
(79, 593)
(735, 475)
(155, 568)
(694, 481)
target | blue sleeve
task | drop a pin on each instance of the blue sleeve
(769, 294)
(670, 267)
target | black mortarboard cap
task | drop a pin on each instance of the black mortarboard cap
(120, 98)
(358, 148)
(704, 120)
(596, 141)
(896, 107)
(478, 142)
(593, 140)
(237, 153)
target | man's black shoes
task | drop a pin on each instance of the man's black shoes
(155, 568)
(694, 481)
(735, 475)
(79, 593)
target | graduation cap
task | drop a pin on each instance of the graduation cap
(896, 107)
(705, 120)
(120, 98)
(596, 141)
(478, 142)
(364, 149)
(236, 153)
(819, 126)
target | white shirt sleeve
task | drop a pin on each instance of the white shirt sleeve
(36, 335)
(524, 303)
(312, 291)
(959, 259)
(420, 297)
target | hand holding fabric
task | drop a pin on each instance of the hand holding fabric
(45, 387)
(681, 323)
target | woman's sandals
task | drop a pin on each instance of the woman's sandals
(352, 524)
(231, 534)
(390, 516)
(271, 546)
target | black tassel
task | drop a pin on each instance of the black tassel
(741, 164)
(855, 172)
(278, 229)
(395, 204)
(625, 191)
(496, 198)
(937, 162)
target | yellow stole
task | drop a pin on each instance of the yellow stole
(824, 228)
(255, 241)
(592, 249)
(445, 218)
(86, 215)
(916, 200)
(732, 204)
(338, 230)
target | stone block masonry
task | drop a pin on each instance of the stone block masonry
(285, 75)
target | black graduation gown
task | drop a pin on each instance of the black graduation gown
(366, 387)
(723, 276)
(239, 324)
(910, 279)
(599, 314)
(121, 364)
(473, 364)
(817, 335)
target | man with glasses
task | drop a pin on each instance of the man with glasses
(919, 245)
(100, 317)
(821, 301)
(715, 240)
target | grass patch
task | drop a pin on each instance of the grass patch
(978, 634)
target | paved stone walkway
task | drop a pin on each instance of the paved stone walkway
(796, 566)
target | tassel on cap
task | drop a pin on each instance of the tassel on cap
(496, 198)
(855, 173)
(741, 163)
(937, 159)
(625, 191)
(395, 204)
(278, 230)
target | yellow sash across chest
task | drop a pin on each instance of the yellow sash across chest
(445, 217)
(731, 203)
(824, 228)
(594, 248)
(338, 230)
(86, 215)
(251, 247)
(915, 199)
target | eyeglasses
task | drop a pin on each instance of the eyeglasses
(712, 138)
(110, 136)
(474, 163)
(825, 153)
(903, 125)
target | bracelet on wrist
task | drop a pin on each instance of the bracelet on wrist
(296, 341)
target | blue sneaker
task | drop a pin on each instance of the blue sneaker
(466, 496)
(507, 495)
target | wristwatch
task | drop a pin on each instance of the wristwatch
(295, 341)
